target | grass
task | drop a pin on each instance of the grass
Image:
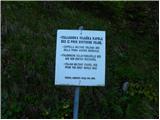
(28, 59)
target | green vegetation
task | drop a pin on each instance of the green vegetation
(28, 59)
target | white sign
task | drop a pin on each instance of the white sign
(80, 58)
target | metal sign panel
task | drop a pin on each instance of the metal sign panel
(80, 58)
